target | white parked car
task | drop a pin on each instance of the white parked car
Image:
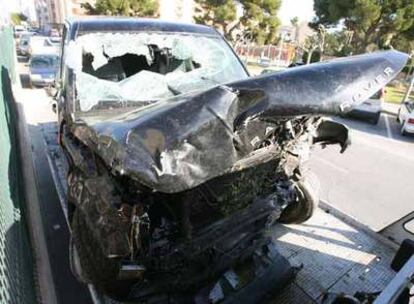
(24, 44)
(41, 44)
(369, 110)
(18, 31)
(406, 117)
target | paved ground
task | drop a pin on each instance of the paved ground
(372, 180)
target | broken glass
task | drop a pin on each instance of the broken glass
(142, 67)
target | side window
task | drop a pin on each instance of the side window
(410, 106)
(409, 226)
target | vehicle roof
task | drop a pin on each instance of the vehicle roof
(45, 52)
(102, 24)
(36, 37)
(274, 69)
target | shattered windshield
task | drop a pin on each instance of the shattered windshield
(116, 70)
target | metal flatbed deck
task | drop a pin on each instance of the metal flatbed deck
(334, 252)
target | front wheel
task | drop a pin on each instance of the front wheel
(75, 265)
(90, 264)
(303, 207)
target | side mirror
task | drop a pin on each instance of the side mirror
(53, 90)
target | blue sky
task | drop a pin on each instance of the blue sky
(303, 9)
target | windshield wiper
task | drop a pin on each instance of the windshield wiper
(174, 91)
(210, 79)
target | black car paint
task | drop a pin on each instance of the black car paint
(115, 164)
(188, 125)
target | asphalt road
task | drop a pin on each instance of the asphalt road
(373, 180)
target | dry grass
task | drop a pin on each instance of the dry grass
(396, 94)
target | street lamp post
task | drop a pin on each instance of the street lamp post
(410, 87)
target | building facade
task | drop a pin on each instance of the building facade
(43, 14)
(177, 10)
(53, 12)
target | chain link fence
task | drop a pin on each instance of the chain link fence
(16, 268)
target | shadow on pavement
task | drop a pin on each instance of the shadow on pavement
(68, 289)
(25, 81)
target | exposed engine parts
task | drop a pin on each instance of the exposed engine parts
(179, 163)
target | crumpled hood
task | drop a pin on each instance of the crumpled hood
(179, 143)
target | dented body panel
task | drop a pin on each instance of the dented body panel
(179, 143)
(182, 187)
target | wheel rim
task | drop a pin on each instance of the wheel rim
(75, 265)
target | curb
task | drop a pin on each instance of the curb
(43, 273)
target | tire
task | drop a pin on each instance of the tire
(376, 119)
(403, 132)
(75, 265)
(301, 210)
(95, 267)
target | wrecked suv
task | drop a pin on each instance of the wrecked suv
(180, 163)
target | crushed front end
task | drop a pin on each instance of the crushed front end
(172, 197)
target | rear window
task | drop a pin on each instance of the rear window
(44, 61)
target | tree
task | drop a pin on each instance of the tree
(218, 13)
(321, 40)
(259, 18)
(17, 18)
(314, 42)
(310, 45)
(337, 43)
(138, 8)
(376, 22)
(294, 21)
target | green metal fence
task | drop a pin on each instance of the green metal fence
(16, 271)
